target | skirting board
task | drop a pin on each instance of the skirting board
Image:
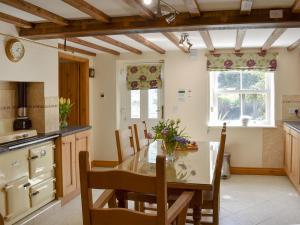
(97, 163)
(257, 171)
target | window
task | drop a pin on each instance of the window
(153, 103)
(135, 101)
(242, 94)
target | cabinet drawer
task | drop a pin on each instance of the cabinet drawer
(17, 197)
(42, 192)
(41, 159)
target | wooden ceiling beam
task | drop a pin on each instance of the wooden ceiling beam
(15, 21)
(142, 9)
(88, 9)
(296, 7)
(207, 40)
(119, 44)
(272, 38)
(144, 41)
(77, 50)
(172, 37)
(259, 18)
(35, 10)
(246, 6)
(293, 46)
(240, 35)
(193, 7)
(93, 46)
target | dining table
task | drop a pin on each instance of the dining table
(191, 170)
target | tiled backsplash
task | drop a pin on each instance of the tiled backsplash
(289, 102)
(43, 111)
(8, 94)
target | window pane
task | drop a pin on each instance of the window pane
(153, 103)
(254, 80)
(229, 80)
(229, 107)
(254, 106)
(135, 102)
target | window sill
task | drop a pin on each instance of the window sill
(212, 125)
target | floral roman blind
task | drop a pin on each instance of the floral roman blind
(144, 77)
(266, 61)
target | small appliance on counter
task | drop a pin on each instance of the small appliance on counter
(22, 122)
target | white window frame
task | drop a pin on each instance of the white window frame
(270, 102)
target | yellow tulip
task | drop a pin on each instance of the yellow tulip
(69, 101)
(64, 101)
(61, 100)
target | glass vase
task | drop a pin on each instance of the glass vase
(169, 149)
(63, 123)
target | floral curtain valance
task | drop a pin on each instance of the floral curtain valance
(242, 61)
(144, 77)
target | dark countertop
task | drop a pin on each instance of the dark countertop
(294, 125)
(10, 146)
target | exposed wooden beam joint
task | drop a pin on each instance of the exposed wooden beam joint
(246, 6)
(15, 21)
(259, 18)
(119, 44)
(296, 6)
(293, 46)
(88, 9)
(240, 35)
(172, 37)
(144, 41)
(92, 45)
(272, 38)
(193, 7)
(35, 10)
(77, 50)
(142, 9)
(207, 40)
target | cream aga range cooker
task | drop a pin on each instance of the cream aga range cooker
(27, 178)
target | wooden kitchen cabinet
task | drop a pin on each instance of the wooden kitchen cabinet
(67, 164)
(292, 155)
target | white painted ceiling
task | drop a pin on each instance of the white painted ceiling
(221, 38)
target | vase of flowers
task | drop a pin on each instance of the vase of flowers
(171, 135)
(65, 107)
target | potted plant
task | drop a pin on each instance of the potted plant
(65, 107)
(171, 135)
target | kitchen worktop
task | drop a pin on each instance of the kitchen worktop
(10, 146)
(294, 125)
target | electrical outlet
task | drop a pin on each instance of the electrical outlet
(292, 110)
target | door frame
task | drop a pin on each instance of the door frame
(84, 106)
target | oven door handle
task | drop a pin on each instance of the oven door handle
(33, 157)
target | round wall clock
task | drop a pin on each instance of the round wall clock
(14, 50)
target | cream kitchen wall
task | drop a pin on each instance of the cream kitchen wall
(40, 63)
(185, 72)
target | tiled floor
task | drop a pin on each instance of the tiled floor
(245, 200)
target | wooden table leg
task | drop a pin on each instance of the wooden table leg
(196, 207)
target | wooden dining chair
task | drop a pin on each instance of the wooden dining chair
(140, 135)
(125, 143)
(210, 207)
(1, 220)
(125, 181)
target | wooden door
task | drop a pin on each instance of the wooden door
(68, 164)
(69, 87)
(82, 144)
(295, 157)
(288, 152)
